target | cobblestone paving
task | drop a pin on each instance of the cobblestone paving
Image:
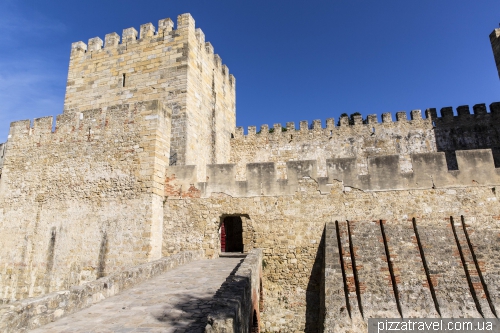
(176, 301)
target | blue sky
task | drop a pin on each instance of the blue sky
(293, 60)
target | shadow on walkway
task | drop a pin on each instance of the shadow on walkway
(188, 312)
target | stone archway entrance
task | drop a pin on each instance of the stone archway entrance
(231, 234)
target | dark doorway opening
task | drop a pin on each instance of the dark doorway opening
(231, 235)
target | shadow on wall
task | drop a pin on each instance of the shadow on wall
(50, 259)
(466, 131)
(103, 251)
(313, 292)
(451, 156)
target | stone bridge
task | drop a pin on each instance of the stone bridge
(182, 293)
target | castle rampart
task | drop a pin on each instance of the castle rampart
(79, 188)
(289, 229)
(363, 138)
(479, 130)
(145, 162)
(429, 170)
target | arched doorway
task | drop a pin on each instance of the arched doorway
(231, 235)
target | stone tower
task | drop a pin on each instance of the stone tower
(495, 45)
(174, 66)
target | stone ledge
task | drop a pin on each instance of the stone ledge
(238, 298)
(35, 312)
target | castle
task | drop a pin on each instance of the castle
(356, 219)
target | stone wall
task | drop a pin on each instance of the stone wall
(83, 201)
(363, 139)
(35, 312)
(141, 165)
(478, 130)
(236, 303)
(211, 105)
(289, 229)
(495, 45)
(360, 140)
(415, 267)
(174, 66)
(428, 170)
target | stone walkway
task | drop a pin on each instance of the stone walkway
(176, 301)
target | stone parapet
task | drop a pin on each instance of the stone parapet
(35, 312)
(465, 128)
(236, 303)
(358, 124)
(149, 121)
(428, 170)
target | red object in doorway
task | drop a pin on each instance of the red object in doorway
(222, 238)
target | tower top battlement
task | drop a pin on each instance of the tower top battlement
(148, 33)
(495, 45)
(171, 64)
(99, 67)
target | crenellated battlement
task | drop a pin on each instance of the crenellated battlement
(371, 122)
(89, 125)
(147, 35)
(170, 63)
(429, 171)
(479, 113)
(344, 123)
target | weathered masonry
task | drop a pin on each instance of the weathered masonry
(176, 67)
(354, 219)
(132, 108)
